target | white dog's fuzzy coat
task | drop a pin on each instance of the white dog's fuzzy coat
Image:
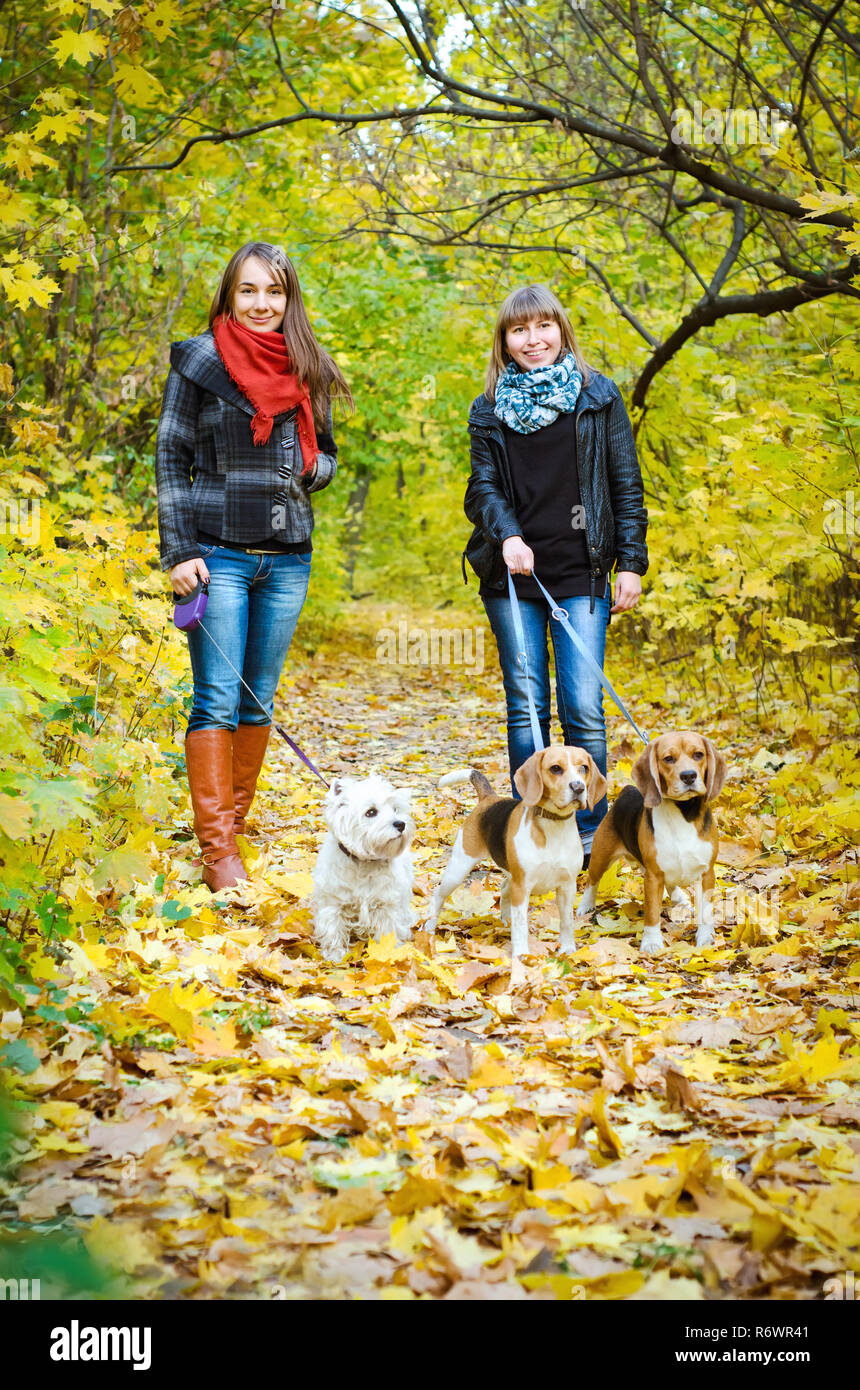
(363, 874)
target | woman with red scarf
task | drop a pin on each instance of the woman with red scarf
(244, 438)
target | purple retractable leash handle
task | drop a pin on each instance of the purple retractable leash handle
(189, 608)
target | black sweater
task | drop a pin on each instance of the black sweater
(549, 509)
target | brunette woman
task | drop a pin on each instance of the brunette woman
(244, 438)
(555, 490)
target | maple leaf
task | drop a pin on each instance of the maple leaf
(214, 1042)
(82, 45)
(160, 20)
(352, 1207)
(23, 282)
(135, 85)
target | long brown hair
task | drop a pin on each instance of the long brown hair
(532, 301)
(310, 362)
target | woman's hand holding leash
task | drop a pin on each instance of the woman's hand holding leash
(626, 592)
(518, 556)
(184, 577)
(627, 588)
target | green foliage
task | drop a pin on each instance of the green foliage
(52, 1253)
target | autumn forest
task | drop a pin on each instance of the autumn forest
(196, 1102)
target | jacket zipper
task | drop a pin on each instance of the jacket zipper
(594, 572)
(491, 433)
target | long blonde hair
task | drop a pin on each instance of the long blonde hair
(310, 362)
(532, 301)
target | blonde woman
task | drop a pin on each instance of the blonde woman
(555, 490)
(244, 438)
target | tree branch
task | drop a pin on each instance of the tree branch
(731, 254)
(709, 311)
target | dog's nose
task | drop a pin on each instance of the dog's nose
(400, 826)
(689, 776)
(578, 787)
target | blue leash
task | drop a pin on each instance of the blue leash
(522, 658)
(560, 614)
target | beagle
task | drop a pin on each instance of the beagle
(535, 841)
(664, 823)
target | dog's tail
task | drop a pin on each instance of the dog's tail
(469, 774)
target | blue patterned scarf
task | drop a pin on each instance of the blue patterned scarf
(529, 400)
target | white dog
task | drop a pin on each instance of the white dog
(363, 873)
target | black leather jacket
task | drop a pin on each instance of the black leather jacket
(610, 484)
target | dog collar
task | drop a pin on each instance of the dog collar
(356, 858)
(552, 815)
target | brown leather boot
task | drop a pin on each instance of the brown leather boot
(209, 759)
(249, 748)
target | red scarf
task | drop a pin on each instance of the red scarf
(259, 364)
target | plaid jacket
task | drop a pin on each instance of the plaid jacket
(209, 473)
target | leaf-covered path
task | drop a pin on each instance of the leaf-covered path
(233, 1117)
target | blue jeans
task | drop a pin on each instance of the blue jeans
(579, 693)
(252, 610)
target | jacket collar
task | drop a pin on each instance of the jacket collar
(198, 360)
(594, 396)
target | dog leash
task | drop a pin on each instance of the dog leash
(292, 743)
(522, 657)
(196, 608)
(561, 616)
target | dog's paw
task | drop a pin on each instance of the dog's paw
(587, 903)
(332, 951)
(518, 972)
(705, 935)
(652, 942)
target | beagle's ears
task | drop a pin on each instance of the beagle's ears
(528, 780)
(645, 775)
(715, 771)
(596, 784)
